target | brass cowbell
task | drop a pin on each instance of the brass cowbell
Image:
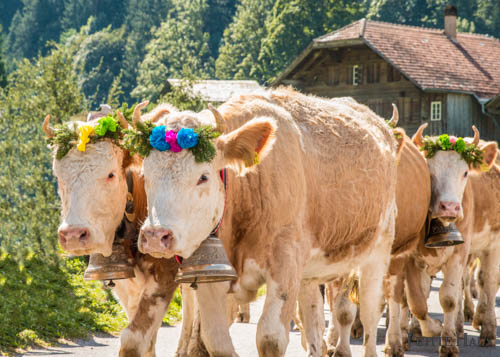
(119, 265)
(439, 236)
(208, 264)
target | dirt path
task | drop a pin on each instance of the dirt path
(243, 336)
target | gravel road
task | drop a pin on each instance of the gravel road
(243, 336)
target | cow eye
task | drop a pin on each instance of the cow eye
(466, 173)
(111, 175)
(202, 179)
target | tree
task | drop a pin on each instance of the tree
(179, 48)
(242, 40)
(218, 16)
(3, 70)
(29, 207)
(142, 18)
(292, 24)
(100, 60)
(106, 13)
(31, 28)
(7, 11)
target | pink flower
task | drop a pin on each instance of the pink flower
(453, 139)
(171, 138)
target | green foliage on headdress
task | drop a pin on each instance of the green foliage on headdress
(136, 141)
(205, 150)
(470, 153)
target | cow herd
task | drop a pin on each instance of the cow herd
(319, 191)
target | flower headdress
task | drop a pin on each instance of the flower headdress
(470, 153)
(64, 137)
(146, 136)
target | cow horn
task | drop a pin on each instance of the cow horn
(219, 120)
(46, 128)
(136, 116)
(122, 119)
(395, 116)
(417, 138)
(476, 135)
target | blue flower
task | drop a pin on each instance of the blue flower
(187, 138)
(157, 139)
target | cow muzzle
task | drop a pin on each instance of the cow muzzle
(448, 211)
(156, 241)
(74, 239)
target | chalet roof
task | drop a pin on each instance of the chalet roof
(493, 106)
(219, 90)
(427, 57)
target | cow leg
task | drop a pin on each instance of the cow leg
(488, 286)
(138, 338)
(190, 343)
(282, 294)
(418, 284)
(357, 327)
(212, 304)
(468, 303)
(244, 313)
(345, 313)
(371, 285)
(332, 335)
(448, 298)
(393, 341)
(460, 311)
(312, 317)
(404, 322)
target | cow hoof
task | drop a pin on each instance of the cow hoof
(330, 351)
(394, 351)
(406, 345)
(468, 315)
(243, 318)
(448, 351)
(487, 339)
(357, 332)
(339, 353)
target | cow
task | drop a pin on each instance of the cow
(485, 245)
(320, 203)
(413, 201)
(413, 192)
(452, 200)
(92, 185)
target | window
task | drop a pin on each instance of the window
(355, 75)
(372, 73)
(436, 110)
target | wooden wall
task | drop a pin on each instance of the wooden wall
(328, 73)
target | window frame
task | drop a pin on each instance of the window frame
(355, 75)
(435, 105)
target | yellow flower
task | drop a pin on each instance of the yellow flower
(85, 132)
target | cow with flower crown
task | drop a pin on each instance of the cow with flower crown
(92, 166)
(310, 195)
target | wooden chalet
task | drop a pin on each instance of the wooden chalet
(438, 76)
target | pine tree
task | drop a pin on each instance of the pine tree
(29, 206)
(242, 40)
(142, 17)
(292, 24)
(179, 48)
(3, 69)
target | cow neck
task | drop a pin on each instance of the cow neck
(223, 177)
(127, 228)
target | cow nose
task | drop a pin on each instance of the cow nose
(449, 208)
(75, 234)
(161, 235)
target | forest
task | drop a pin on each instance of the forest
(64, 57)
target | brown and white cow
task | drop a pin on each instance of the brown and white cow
(320, 204)
(413, 191)
(452, 199)
(93, 190)
(413, 200)
(485, 245)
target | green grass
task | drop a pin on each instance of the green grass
(41, 303)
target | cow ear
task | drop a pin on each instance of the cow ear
(490, 150)
(247, 145)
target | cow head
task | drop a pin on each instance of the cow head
(449, 173)
(92, 187)
(186, 197)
